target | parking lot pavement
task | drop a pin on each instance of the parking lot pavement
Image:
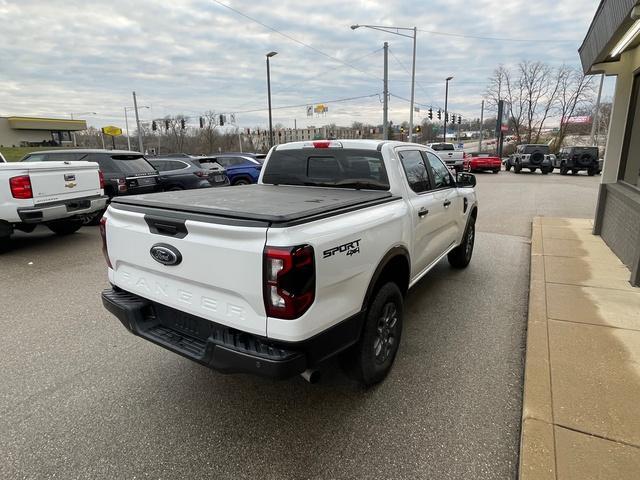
(82, 398)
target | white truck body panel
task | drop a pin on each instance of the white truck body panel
(220, 278)
(51, 182)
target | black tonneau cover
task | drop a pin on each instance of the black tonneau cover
(273, 204)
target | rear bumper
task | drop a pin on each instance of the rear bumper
(64, 209)
(222, 348)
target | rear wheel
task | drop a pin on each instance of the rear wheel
(5, 243)
(574, 172)
(591, 172)
(460, 256)
(563, 169)
(371, 359)
(517, 168)
(65, 227)
(545, 170)
(242, 181)
(507, 167)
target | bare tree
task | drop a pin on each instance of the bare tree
(576, 89)
(208, 132)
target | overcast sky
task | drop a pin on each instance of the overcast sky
(190, 56)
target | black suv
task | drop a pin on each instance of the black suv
(574, 159)
(531, 156)
(125, 172)
(184, 173)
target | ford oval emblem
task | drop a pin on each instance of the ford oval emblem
(165, 254)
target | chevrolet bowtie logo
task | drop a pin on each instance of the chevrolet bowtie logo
(70, 184)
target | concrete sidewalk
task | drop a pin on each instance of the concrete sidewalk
(581, 408)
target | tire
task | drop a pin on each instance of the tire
(175, 188)
(517, 168)
(496, 170)
(460, 256)
(65, 227)
(591, 172)
(533, 170)
(371, 359)
(507, 167)
(242, 181)
(5, 244)
(563, 169)
(545, 170)
(574, 172)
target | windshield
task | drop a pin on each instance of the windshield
(335, 167)
(132, 164)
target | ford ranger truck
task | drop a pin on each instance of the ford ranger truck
(55, 194)
(313, 261)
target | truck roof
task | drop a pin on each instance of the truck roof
(86, 150)
(356, 144)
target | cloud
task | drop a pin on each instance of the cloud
(190, 56)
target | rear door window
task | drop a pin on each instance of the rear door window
(415, 170)
(132, 164)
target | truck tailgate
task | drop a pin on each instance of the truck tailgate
(219, 276)
(59, 181)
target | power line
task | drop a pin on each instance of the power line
(407, 70)
(299, 42)
(499, 39)
(349, 99)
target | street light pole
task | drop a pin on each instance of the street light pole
(126, 124)
(269, 55)
(385, 103)
(446, 98)
(413, 36)
(413, 83)
(135, 107)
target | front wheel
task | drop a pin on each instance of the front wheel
(5, 244)
(242, 181)
(373, 356)
(460, 256)
(507, 167)
(65, 227)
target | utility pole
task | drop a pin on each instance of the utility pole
(75, 143)
(269, 55)
(595, 120)
(413, 83)
(446, 99)
(135, 106)
(385, 92)
(481, 124)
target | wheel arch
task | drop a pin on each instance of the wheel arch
(394, 266)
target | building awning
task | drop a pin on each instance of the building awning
(34, 123)
(610, 23)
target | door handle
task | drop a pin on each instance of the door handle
(446, 203)
(423, 212)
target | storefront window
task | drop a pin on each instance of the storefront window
(630, 166)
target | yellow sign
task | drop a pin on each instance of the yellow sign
(112, 131)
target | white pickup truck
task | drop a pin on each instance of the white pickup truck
(448, 153)
(314, 260)
(55, 194)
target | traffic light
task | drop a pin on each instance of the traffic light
(446, 117)
(221, 120)
(201, 122)
(430, 114)
(439, 115)
(182, 123)
(459, 119)
(402, 129)
(166, 124)
(418, 129)
(154, 126)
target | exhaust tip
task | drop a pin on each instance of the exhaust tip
(311, 375)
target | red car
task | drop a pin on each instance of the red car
(475, 162)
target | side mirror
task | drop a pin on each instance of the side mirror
(466, 180)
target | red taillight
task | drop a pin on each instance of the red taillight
(122, 184)
(21, 187)
(321, 144)
(289, 281)
(103, 234)
(101, 177)
(201, 173)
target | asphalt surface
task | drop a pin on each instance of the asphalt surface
(80, 397)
